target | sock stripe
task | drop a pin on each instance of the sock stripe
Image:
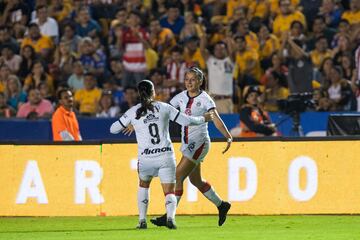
(179, 192)
(206, 187)
(172, 192)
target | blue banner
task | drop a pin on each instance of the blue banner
(311, 123)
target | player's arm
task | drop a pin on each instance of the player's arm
(122, 123)
(185, 120)
(220, 125)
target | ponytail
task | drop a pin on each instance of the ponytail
(145, 89)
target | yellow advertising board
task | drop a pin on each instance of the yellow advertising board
(309, 177)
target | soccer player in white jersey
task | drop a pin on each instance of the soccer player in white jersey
(196, 142)
(156, 157)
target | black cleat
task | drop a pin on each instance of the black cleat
(159, 221)
(223, 210)
(142, 225)
(170, 224)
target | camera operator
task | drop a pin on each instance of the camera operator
(254, 122)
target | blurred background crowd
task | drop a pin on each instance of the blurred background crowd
(102, 48)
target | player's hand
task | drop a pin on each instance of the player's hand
(209, 116)
(229, 141)
(128, 130)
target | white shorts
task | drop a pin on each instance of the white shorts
(196, 151)
(164, 167)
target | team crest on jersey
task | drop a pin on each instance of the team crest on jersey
(198, 104)
(191, 146)
(151, 118)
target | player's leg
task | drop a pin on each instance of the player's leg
(208, 191)
(143, 201)
(183, 169)
(170, 204)
(167, 178)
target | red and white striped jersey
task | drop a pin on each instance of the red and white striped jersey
(193, 106)
(134, 54)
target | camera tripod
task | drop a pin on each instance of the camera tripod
(296, 129)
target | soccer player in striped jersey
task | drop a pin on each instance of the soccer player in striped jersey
(194, 101)
(156, 157)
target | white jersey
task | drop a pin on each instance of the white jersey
(220, 76)
(193, 106)
(152, 129)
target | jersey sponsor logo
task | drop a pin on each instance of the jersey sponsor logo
(151, 118)
(149, 151)
(191, 146)
(188, 111)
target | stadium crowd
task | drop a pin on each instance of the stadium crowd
(101, 49)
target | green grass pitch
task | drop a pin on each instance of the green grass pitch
(189, 227)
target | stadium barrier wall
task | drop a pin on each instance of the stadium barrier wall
(313, 123)
(271, 177)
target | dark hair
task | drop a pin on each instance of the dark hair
(177, 48)
(242, 38)
(344, 21)
(279, 78)
(31, 25)
(320, 38)
(89, 74)
(338, 70)
(297, 22)
(199, 75)
(320, 17)
(146, 89)
(4, 28)
(61, 91)
(136, 13)
(40, 7)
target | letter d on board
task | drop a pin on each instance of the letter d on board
(235, 165)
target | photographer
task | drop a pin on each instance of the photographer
(299, 64)
(254, 122)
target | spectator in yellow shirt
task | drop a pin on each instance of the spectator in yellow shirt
(287, 15)
(87, 99)
(232, 4)
(320, 52)
(241, 28)
(353, 15)
(43, 45)
(247, 69)
(275, 89)
(161, 39)
(260, 9)
(275, 8)
(269, 44)
(192, 53)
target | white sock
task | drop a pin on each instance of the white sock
(170, 205)
(143, 202)
(213, 197)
